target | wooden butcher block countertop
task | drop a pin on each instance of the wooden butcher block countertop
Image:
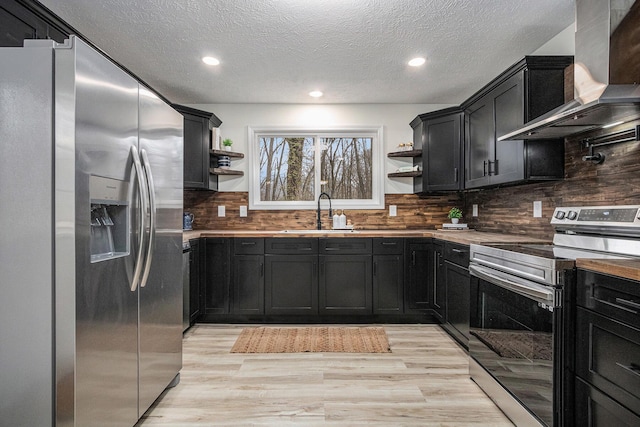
(625, 268)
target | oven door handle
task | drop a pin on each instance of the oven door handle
(537, 293)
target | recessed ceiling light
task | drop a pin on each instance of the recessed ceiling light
(210, 60)
(416, 62)
(315, 94)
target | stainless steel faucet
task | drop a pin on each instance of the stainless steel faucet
(330, 210)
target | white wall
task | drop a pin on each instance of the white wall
(564, 43)
(395, 119)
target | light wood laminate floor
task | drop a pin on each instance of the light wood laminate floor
(423, 382)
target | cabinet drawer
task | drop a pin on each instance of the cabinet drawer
(457, 254)
(610, 296)
(291, 246)
(608, 356)
(248, 246)
(347, 245)
(383, 246)
(595, 409)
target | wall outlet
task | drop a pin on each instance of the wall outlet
(393, 210)
(243, 211)
(221, 211)
(475, 210)
(537, 209)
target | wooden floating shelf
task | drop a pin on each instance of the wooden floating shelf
(410, 153)
(230, 154)
(219, 171)
(404, 174)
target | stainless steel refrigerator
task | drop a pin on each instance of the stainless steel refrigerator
(91, 247)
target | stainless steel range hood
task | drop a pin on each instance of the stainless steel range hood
(606, 73)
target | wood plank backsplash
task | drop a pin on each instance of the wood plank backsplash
(413, 213)
(614, 182)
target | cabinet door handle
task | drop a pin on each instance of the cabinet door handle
(262, 269)
(389, 243)
(632, 368)
(413, 257)
(484, 168)
(458, 251)
(331, 249)
(489, 167)
(248, 243)
(375, 268)
(455, 174)
(627, 303)
(315, 269)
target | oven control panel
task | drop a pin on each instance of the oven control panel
(598, 215)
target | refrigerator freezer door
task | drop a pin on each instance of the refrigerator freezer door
(161, 293)
(106, 117)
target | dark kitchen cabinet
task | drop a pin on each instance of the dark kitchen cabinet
(197, 147)
(525, 91)
(607, 347)
(194, 281)
(248, 284)
(439, 281)
(19, 22)
(345, 283)
(248, 276)
(388, 276)
(215, 294)
(458, 291)
(418, 273)
(439, 134)
(291, 276)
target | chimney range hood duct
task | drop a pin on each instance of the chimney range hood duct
(606, 73)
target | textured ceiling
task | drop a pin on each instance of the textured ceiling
(355, 51)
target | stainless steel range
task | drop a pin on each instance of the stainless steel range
(519, 317)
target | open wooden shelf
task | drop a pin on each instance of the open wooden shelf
(219, 171)
(230, 154)
(410, 153)
(404, 174)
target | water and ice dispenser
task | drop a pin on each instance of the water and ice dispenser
(109, 218)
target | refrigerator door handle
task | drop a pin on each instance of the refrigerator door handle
(152, 216)
(143, 209)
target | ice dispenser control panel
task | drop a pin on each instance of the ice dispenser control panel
(109, 218)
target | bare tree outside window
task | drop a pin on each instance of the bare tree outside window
(346, 167)
(287, 168)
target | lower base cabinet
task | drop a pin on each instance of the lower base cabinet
(418, 275)
(291, 284)
(194, 281)
(341, 279)
(596, 409)
(248, 284)
(387, 284)
(345, 284)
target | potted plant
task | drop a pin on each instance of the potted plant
(227, 144)
(454, 214)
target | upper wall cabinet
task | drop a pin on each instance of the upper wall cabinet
(525, 91)
(197, 148)
(19, 22)
(439, 135)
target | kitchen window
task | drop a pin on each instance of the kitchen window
(291, 167)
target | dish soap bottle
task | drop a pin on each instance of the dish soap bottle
(343, 220)
(336, 221)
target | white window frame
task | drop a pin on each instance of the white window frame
(377, 162)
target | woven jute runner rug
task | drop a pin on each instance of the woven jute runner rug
(312, 339)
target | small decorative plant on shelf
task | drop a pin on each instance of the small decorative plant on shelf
(454, 214)
(227, 143)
